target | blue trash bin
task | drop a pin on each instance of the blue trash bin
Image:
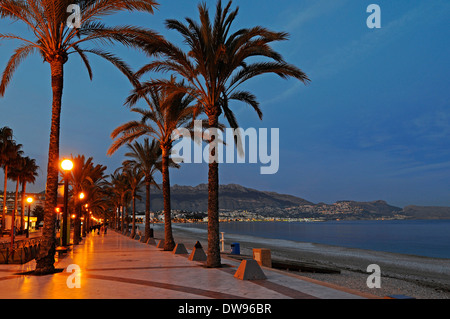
(235, 249)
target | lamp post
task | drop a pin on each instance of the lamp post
(29, 201)
(85, 220)
(66, 166)
(77, 222)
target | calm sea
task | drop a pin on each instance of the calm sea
(430, 238)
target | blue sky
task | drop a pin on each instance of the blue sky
(373, 124)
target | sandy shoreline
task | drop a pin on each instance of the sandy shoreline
(414, 276)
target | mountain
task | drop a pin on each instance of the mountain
(234, 197)
(427, 212)
(231, 197)
(376, 208)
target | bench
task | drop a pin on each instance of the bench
(61, 250)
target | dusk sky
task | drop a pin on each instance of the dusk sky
(374, 123)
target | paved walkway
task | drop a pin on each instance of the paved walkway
(117, 267)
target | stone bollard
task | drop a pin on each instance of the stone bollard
(180, 249)
(197, 254)
(249, 270)
(160, 244)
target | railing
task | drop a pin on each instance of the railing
(22, 252)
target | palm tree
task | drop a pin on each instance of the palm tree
(167, 112)
(112, 198)
(98, 204)
(134, 176)
(25, 171)
(119, 187)
(15, 175)
(9, 153)
(6, 138)
(147, 157)
(84, 177)
(29, 174)
(216, 65)
(55, 40)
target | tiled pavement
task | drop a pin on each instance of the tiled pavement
(113, 266)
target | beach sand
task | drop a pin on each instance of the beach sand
(412, 276)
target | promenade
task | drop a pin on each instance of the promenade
(114, 266)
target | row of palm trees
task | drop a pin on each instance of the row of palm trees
(108, 197)
(205, 76)
(16, 167)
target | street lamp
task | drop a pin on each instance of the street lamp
(77, 235)
(29, 201)
(66, 166)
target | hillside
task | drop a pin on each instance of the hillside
(427, 212)
(376, 208)
(232, 197)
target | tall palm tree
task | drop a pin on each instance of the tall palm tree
(112, 198)
(134, 176)
(147, 156)
(56, 40)
(28, 175)
(167, 112)
(216, 64)
(119, 187)
(26, 172)
(15, 175)
(6, 138)
(98, 204)
(9, 153)
(83, 178)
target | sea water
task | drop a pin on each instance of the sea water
(429, 238)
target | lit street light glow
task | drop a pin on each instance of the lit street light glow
(67, 165)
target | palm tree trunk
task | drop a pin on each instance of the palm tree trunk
(77, 225)
(213, 256)
(118, 218)
(13, 216)
(22, 208)
(169, 243)
(85, 221)
(133, 231)
(147, 210)
(5, 193)
(46, 257)
(123, 217)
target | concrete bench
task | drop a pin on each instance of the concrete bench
(61, 250)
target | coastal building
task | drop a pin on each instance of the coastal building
(38, 200)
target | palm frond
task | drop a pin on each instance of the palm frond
(19, 55)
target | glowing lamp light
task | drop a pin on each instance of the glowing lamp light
(81, 195)
(29, 200)
(67, 165)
